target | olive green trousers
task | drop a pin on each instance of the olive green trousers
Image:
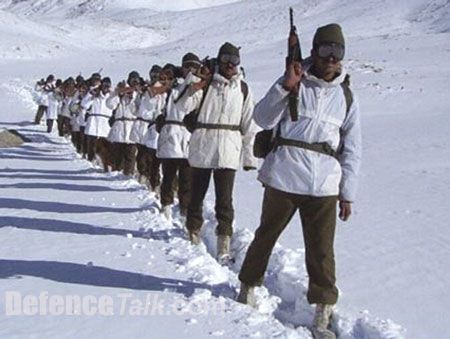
(318, 217)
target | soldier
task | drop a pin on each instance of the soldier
(54, 99)
(173, 146)
(43, 88)
(224, 130)
(123, 102)
(77, 117)
(97, 120)
(68, 92)
(161, 89)
(313, 167)
(150, 105)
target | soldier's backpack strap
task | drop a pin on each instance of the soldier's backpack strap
(347, 93)
(348, 101)
(244, 89)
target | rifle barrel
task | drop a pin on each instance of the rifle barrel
(291, 16)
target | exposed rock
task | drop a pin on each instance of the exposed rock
(11, 138)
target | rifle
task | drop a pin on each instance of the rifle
(294, 55)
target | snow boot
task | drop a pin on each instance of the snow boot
(142, 179)
(223, 249)
(157, 191)
(194, 237)
(167, 212)
(321, 322)
(247, 295)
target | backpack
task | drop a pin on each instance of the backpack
(190, 120)
(265, 140)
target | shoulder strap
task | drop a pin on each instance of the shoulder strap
(244, 89)
(347, 93)
(169, 93)
(205, 91)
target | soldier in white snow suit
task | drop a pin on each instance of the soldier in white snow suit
(97, 119)
(223, 134)
(42, 89)
(150, 105)
(124, 102)
(54, 100)
(313, 168)
(77, 116)
(173, 145)
(68, 91)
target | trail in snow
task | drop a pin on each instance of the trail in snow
(284, 296)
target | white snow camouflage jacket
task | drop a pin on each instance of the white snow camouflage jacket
(97, 123)
(148, 109)
(173, 140)
(77, 113)
(54, 102)
(65, 107)
(323, 117)
(125, 110)
(223, 104)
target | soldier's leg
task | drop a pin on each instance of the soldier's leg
(103, 150)
(129, 158)
(73, 138)
(155, 171)
(50, 125)
(277, 210)
(184, 184)
(116, 156)
(140, 159)
(60, 124)
(318, 215)
(83, 142)
(223, 184)
(39, 114)
(200, 183)
(67, 128)
(91, 147)
(169, 170)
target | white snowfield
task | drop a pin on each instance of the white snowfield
(86, 254)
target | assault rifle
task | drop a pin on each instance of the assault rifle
(294, 55)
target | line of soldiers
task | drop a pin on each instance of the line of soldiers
(199, 120)
(189, 122)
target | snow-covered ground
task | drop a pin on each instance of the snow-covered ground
(68, 229)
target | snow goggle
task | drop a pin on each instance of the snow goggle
(229, 59)
(337, 51)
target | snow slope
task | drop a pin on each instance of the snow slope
(393, 256)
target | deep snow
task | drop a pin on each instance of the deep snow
(58, 214)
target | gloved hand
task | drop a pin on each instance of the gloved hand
(249, 168)
(345, 210)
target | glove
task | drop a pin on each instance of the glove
(249, 168)
(345, 210)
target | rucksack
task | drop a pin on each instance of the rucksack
(265, 140)
(190, 120)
